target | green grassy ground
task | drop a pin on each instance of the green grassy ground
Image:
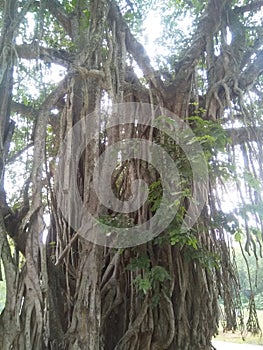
(237, 336)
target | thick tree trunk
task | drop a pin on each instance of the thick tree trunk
(9, 327)
(72, 293)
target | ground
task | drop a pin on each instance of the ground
(237, 338)
(221, 345)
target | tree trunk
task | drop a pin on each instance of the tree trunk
(83, 289)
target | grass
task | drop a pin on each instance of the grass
(236, 337)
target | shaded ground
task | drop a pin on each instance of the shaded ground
(221, 345)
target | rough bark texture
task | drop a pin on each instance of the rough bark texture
(70, 293)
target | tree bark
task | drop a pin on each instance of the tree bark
(72, 293)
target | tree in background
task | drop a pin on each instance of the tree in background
(70, 293)
(255, 269)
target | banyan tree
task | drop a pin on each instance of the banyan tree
(182, 131)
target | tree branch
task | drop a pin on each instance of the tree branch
(32, 51)
(253, 71)
(57, 10)
(23, 109)
(135, 48)
(55, 95)
(208, 25)
(254, 48)
(19, 153)
(249, 7)
(243, 134)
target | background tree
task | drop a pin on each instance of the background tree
(70, 293)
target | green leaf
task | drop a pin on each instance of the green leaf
(143, 284)
(238, 236)
(159, 273)
(141, 262)
(252, 180)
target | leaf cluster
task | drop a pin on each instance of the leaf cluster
(150, 276)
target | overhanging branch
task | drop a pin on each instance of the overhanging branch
(33, 51)
(23, 109)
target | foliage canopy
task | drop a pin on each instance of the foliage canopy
(62, 60)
